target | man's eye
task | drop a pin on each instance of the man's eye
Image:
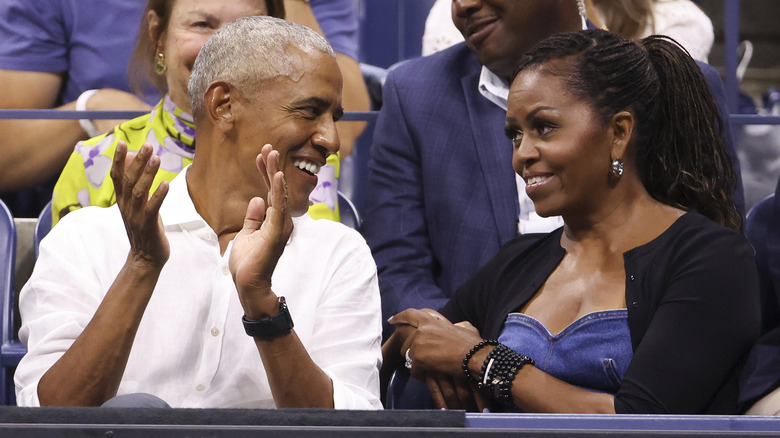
(310, 111)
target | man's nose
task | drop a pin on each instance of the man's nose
(327, 136)
(464, 8)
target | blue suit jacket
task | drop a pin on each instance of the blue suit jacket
(761, 374)
(441, 196)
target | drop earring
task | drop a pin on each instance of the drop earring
(617, 167)
(160, 67)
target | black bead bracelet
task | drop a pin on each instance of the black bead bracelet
(498, 372)
(471, 352)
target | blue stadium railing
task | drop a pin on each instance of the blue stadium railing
(517, 424)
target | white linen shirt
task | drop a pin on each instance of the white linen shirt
(191, 349)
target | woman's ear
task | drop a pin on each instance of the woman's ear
(154, 33)
(219, 104)
(622, 125)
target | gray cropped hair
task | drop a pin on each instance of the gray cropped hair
(248, 51)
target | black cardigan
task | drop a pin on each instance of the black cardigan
(693, 311)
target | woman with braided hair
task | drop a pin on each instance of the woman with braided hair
(646, 300)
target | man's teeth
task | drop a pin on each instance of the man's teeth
(535, 180)
(307, 166)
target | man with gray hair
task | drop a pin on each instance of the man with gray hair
(152, 299)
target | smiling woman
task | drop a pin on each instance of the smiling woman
(623, 140)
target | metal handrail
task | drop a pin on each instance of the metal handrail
(367, 116)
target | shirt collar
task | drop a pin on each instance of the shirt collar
(178, 212)
(493, 88)
(177, 209)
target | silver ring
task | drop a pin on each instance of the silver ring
(408, 363)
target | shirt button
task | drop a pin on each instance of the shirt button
(628, 254)
(226, 270)
(631, 277)
(214, 331)
(635, 304)
(200, 388)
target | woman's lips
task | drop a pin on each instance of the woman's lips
(536, 182)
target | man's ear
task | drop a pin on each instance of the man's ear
(622, 125)
(219, 102)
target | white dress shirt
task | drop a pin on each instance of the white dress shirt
(191, 349)
(496, 90)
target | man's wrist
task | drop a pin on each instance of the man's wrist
(270, 327)
(266, 305)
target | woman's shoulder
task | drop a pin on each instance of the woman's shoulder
(694, 237)
(697, 227)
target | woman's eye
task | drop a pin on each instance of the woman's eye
(544, 128)
(203, 24)
(517, 137)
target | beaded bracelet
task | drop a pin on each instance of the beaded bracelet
(471, 352)
(498, 372)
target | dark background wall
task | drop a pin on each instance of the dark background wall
(760, 24)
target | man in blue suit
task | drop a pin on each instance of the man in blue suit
(442, 196)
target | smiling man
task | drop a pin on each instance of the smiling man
(218, 290)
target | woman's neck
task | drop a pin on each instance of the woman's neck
(632, 222)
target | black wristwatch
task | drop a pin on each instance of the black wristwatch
(270, 327)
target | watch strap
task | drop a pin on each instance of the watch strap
(270, 327)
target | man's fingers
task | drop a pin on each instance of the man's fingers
(255, 212)
(118, 167)
(264, 165)
(464, 395)
(261, 167)
(436, 393)
(154, 203)
(280, 194)
(129, 160)
(136, 169)
(143, 185)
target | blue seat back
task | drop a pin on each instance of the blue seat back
(7, 262)
(42, 227)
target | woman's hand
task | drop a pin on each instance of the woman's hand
(140, 212)
(258, 247)
(436, 345)
(436, 349)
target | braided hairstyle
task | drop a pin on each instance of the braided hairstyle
(679, 147)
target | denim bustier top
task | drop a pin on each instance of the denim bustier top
(593, 352)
